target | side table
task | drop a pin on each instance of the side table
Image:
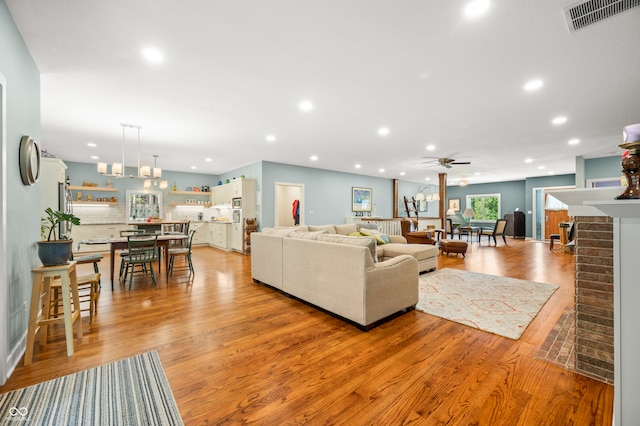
(40, 305)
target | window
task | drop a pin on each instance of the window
(485, 206)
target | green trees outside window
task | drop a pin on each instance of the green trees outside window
(485, 207)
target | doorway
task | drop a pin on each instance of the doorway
(289, 196)
(545, 220)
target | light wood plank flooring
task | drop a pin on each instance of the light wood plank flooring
(237, 352)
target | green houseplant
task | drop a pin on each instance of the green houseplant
(55, 251)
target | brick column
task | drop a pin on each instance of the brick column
(594, 296)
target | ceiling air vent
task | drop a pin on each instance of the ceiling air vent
(585, 13)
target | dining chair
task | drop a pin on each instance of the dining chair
(124, 253)
(498, 230)
(182, 251)
(143, 250)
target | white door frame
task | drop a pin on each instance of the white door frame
(535, 207)
(277, 201)
(5, 362)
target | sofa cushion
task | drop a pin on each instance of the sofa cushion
(310, 235)
(419, 251)
(329, 228)
(346, 229)
(281, 232)
(368, 242)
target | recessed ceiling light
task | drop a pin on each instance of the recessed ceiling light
(270, 138)
(208, 160)
(152, 54)
(94, 157)
(305, 106)
(431, 147)
(91, 144)
(541, 167)
(381, 170)
(357, 166)
(427, 178)
(477, 173)
(574, 142)
(314, 158)
(533, 85)
(476, 8)
(528, 160)
(194, 167)
(559, 120)
(402, 173)
(383, 131)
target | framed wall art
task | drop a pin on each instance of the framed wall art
(454, 204)
(361, 199)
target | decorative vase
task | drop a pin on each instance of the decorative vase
(631, 162)
(53, 253)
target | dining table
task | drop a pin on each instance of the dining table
(121, 243)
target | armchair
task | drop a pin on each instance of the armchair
(497, 230)
(415, 237)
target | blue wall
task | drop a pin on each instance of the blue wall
(605, 167)
(327, 193)
(21, 204)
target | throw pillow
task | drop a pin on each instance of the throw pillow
(379, 239)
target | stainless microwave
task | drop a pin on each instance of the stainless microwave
(237, 203)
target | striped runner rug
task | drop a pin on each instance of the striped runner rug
(132, 391)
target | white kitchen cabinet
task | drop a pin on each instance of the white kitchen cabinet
(219, 235)
(221, 195)
(95, 232)
(201, 237)
(80, 233)
(236, 236)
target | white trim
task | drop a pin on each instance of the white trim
(534, 207)
(5, 365)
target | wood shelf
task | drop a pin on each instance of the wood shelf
(92, 188)
(189, 193)
(101, 203)
(189, 205)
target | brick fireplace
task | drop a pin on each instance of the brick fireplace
(594, 333)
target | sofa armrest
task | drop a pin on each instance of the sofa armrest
(398, 239)
(392, 285)
(266, 258)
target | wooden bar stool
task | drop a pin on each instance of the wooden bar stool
(88, 291)
(40, 303)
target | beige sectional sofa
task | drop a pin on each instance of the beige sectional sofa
(345, 275)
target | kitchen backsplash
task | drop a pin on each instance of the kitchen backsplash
(93, 215)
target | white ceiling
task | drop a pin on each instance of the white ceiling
(235, 71)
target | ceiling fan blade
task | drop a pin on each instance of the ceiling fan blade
(461, 162)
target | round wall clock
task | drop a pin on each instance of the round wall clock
(29, 160)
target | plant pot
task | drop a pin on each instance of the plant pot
(53, 253)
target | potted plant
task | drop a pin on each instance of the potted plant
(55, 251)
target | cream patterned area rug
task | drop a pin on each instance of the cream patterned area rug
(132, 391)
(499, 305)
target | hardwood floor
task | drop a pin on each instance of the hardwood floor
(238, 352)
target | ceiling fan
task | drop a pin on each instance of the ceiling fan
(448, 162)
